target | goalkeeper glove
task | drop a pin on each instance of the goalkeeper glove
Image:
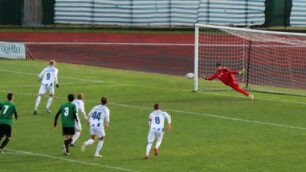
(204, 77)
(57, 85)
(242, 72)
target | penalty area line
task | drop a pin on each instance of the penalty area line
(208, 115)
(183, 90)
(72, 160)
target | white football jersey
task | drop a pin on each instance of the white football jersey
(79, 106)
(49, 75)
(157, 118)
(98, 115)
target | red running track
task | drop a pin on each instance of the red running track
(167, 59)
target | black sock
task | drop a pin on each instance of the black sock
(66, 142)
(4, 143)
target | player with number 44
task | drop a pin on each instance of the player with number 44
(98, 119)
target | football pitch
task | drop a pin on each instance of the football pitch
(212, 131)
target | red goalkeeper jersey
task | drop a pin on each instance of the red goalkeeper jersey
(225, 75)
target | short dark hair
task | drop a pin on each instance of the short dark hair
(156, 106)
(70, 97)
(52, 62)
(104, 100)
(9, 96)
(80, 96)
(218, 64)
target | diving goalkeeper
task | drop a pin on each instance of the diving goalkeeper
(226, 76)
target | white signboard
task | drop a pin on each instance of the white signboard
(12, 50)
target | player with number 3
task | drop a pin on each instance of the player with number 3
(69, 118)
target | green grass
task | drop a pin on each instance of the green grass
(217, 131)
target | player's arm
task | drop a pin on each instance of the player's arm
(56, 78)
(211, 77)
(168, 117)
(107, 119)
(56, 117)
(89, 116)
(235, 72)
(82, 109)
(41, 75)
(74, 114)
(15, 113)
(150, 119)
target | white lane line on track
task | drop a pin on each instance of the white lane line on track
(72, 160)
(110, 43)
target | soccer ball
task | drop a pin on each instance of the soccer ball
(189, 75)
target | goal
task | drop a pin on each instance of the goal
(273, 61)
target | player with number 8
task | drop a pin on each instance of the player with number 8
(156, 123)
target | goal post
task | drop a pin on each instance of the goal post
(273, 61)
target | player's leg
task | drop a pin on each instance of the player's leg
(68, 132)
(7, 133)
(237, 87)
(41, 92)
(2, 128)
(50, 99)
(159, 138)
(91, 140)
(151, 137)
(4, 143)
(77, 134)
(101, 135)
(67, 142)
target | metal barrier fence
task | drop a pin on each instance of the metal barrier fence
(160, 12)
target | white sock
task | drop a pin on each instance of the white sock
(157, 144)
(148, 149)
(49, 102)
(75, 137)
(37, 102)
(99, 147)
(89, 142)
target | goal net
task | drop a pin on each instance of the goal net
(273, 61)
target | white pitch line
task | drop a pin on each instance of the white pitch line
(101, 81)
(193, 113)
(78, 79)
(72, 160)
(219, 117)
(37, 85)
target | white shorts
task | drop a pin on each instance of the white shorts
(155, 133)
(97, 131)
(45, 87)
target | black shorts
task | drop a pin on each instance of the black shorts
(5, 130)
(68, 131)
